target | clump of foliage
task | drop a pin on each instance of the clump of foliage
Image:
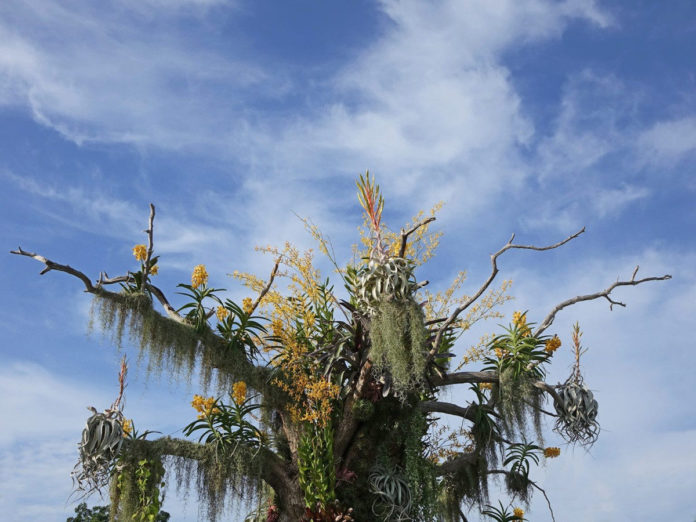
(101, 514)
(317, 473)
(518, 357)
(136, 490)
(334, 400)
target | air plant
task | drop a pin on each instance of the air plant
(576, 406)
(100, 444)
(392, 279)
(393, 496)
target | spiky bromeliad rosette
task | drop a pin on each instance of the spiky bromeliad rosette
(100, 445)
(392, 279)
(577, 413)
(575, 404)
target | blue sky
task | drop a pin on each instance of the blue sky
(534, 117)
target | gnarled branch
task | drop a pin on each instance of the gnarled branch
(448, 408)
(259, 374)
(405, 234)
(464, 378)
(52, 265)
(265, 290)
(494, 271)
(589, 297)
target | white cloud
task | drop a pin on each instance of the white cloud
(35, 478)
(97, 73)
(42, 404)
(613, 201)
(649, 478)
(428, 105)
(668, 141)
(586, 163)
(439, 108)
(587, 126)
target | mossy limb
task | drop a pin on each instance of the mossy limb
(398, 336)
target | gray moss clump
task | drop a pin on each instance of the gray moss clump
(213, 474)
(171, 347)
(519, 400)
(216, 476)
(469, 485)
(518, 486)
(398, 336)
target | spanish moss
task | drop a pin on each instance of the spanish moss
(398, 336)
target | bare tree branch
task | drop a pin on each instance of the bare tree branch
(464, 378)
(551, 390)
(589, 297)
(487, 376)
(150, 243)
(494, 271)
(104, 279)
(171, 311)
(405, 234)
(421, 284)
(448, 408)
(51, 265)
(265, 290)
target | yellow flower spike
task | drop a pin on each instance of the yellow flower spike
(552, 452)
(518, 512)
(485, 385)
(277, 327)
(154, 270)
(239, 391)
(247, 303)
(127, 427)
(204, 406)
(552, 345)
(199, 276)
(140, 252)
(519, 319)
(222, 313)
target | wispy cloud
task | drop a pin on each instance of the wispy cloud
(45, 403)
(668, 141)
(407, 106)
(115, 74)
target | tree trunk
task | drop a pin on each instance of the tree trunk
(290, 502)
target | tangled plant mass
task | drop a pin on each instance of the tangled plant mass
(329, 392)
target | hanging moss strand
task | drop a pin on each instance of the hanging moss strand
(399, 337)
